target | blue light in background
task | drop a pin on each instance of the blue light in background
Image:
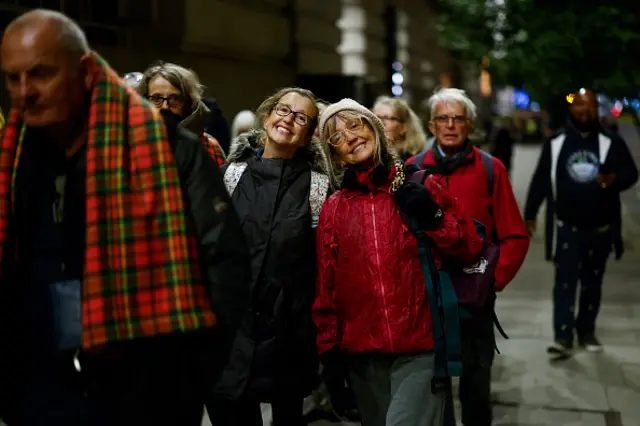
(521, 99)
(535, 107)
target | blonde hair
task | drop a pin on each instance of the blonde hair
(181, 78)
(382, 144)
(415, 141)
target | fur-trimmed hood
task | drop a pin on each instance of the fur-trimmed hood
(248, 144)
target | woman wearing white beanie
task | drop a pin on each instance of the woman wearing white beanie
(371, 306)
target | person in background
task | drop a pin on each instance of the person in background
(132, 79)
(242, 123)
(402, 126)
(121, 261)
(371, 307)
(278, 178)
(581, 172)
(481, 183)
(177, 89)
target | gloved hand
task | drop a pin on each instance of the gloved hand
(416, 201)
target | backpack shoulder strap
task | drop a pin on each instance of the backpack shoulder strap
(443, 302)
(317, 195)
(487, 162)
(419, 159)
(232, 176)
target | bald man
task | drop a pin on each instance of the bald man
(123, 265)
(581, 172)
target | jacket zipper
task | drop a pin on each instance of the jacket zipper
(382, 292)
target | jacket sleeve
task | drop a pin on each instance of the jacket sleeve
(457, 236)
(223, 252)
(509, 228)
(540, 186)
(324, 310)
(213, 148)
(623, 166)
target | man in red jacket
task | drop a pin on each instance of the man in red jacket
(481, 184)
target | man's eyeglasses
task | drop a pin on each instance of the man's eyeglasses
(446, 119)
(174, 101)
(299, 117)
(352, 126)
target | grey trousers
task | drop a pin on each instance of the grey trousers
(395, 390)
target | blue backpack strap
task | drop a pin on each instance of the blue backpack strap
(419, 159)
(443, 302)
(487, 162)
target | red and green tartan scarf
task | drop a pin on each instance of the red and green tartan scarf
(141, 275)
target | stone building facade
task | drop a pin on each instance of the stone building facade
(244, 49)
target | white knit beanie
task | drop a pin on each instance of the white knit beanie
(350, 105)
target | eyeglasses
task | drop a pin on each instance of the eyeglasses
(445, 119)
(384, 118)
(338, 137)
(299, 117)
(174, 101)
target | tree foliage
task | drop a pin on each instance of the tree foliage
(553, 46)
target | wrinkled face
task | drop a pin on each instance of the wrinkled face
(584, 108)
(394, 127)
(450, 125)
(45, 82)
(164, 95)
(353, 140)
(289, 122)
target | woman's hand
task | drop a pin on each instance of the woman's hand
(416, 201)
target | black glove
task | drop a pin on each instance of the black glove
(416, 201)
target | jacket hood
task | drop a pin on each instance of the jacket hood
(195, 122)
(247, 145)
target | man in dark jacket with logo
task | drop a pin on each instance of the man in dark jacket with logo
(580, 173)
(481, 183)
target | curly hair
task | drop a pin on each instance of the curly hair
(415, 140)
(181, 78)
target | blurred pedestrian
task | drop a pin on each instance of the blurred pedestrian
(581, 172)
(402, 126)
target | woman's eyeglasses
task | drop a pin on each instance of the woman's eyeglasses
(174, 101)
(443, 120)
(299, 117)
(338, 137)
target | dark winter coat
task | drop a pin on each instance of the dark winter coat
(274, 351)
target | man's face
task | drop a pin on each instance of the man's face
(584, 109)
(450, 125)
(43, 80)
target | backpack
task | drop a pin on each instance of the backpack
(317, 194)
(457, 294)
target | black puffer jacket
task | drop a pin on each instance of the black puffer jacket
(274, 352)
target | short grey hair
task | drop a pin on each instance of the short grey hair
(71, 37)
(447, 95)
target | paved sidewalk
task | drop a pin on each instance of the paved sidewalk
(589, 389)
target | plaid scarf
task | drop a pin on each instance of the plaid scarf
(141, 277)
